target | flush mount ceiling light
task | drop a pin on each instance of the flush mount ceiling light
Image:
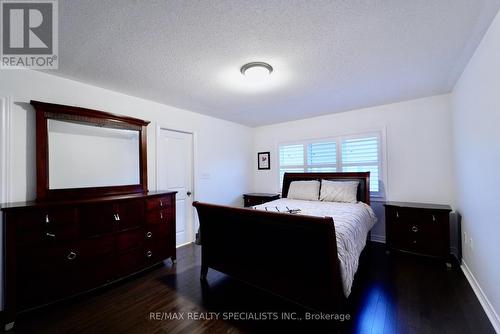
(256, 70)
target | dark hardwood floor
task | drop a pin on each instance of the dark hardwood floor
(391, 294)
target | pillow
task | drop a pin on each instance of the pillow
(306, 190)
(339, 191)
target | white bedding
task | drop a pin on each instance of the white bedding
(352, 222)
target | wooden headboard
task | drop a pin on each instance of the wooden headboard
(363, 178)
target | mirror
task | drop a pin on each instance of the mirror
(83, 153)
(84, 156)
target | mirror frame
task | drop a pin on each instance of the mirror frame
(46, 111)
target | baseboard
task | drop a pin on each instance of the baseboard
(378, 238)
(185, 244)
(483, 299)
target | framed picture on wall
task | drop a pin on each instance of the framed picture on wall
(264, 160)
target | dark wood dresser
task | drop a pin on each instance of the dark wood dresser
(57, 249)
(418, 228)
(252, 199)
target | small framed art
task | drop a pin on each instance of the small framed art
(264, 160)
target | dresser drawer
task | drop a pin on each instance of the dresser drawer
(158, 232)
(130, 214)
(429, 217)
(48, 273)
(102, 219)
(160, 203)
(130, 262)
(415, 216)
(98, 219)
(411, 230)
(164, 216)
(129, 239)
(254, 201)
(156, 251)
(29, 219)
(35, 227)
(67, 252)
(53, 282)
(61, 232)
(420, 238)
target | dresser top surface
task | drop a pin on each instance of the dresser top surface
(47, 204)
(412, 205)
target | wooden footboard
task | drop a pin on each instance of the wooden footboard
(293, 256)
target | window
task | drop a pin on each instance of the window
(347, 154)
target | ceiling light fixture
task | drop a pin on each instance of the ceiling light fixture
(256, 70)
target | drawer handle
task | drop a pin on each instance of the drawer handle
(414, 241)
(47, 220)
(117, 217)
(149, 254)
(161, 215)
(149, 235)
(52, 235)
(433, 218)
(71, 256)
(397, 214)
(161, 203)
(414, 228)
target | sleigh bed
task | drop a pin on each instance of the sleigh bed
(295, 256)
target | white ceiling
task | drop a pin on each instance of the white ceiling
(328, 56)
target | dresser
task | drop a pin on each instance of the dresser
(252, 199)
(418, 228)
(57, 249)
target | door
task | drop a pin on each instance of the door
(175, 172)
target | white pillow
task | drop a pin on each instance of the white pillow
(339, 191)
(306, 190)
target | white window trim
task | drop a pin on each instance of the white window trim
(381, 133)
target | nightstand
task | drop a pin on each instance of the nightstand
(418, 228)
(252, 199)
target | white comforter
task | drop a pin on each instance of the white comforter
(352, 222)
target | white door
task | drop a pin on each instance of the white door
(175, 172)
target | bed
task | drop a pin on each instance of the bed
(307, 257)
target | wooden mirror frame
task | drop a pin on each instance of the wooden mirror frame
(46, 111)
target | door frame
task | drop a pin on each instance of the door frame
(5, 179)
(5, 128)
(171, 127)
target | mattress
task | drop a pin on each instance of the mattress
(352, 222)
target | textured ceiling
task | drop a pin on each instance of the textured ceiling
(328, 56)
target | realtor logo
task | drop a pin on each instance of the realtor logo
(29, 34)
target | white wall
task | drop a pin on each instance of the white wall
(418, 141)
(222, 166)
(476, 133)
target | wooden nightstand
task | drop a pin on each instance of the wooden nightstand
(252, 199)
(418, 228)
